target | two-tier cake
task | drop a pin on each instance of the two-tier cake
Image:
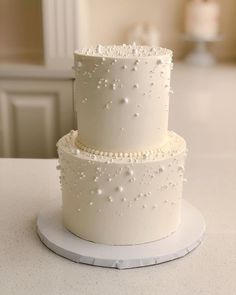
(122, 170)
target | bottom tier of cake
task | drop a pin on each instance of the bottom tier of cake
(122, 199)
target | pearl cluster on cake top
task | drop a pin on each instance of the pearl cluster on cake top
(124, 51)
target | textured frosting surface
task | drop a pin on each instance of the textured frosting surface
(122, 97)
(121, 200)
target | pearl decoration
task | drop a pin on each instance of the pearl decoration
(161, 169)
(99, 191)
(120, 189)
(110, 199)
(130, 172)
(180, 168)
(124, 100)
(79, 64)
(99, 48)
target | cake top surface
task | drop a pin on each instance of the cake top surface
(124, 51)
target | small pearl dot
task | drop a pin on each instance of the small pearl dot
(79, 64)
(161, 169)
(99, 48)
(91, 203)
(136, 115)
(120, 189)
(124, 100)
(130, 172)
(99, 191)
(110, 199)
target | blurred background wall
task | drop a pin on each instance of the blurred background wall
(21, 32)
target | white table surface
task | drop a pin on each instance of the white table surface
(28, 267)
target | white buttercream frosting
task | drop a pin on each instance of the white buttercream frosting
(122, 97)
(119, 200)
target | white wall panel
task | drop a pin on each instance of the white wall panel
(33, 115)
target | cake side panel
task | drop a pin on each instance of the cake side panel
(122, 104)
(121, 203)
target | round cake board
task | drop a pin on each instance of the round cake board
(57, 238)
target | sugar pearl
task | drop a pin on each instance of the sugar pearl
(110, 199)
(120, 189)
(99, 191)
(124, 100)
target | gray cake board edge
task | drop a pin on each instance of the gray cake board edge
(54, 236)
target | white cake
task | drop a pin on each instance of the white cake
(122, 171)
(202, 19)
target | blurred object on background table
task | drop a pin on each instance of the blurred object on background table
(201, 28)
(143, 34)
(202, 19)
(200, 55)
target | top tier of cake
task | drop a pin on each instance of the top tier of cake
(122, 97)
